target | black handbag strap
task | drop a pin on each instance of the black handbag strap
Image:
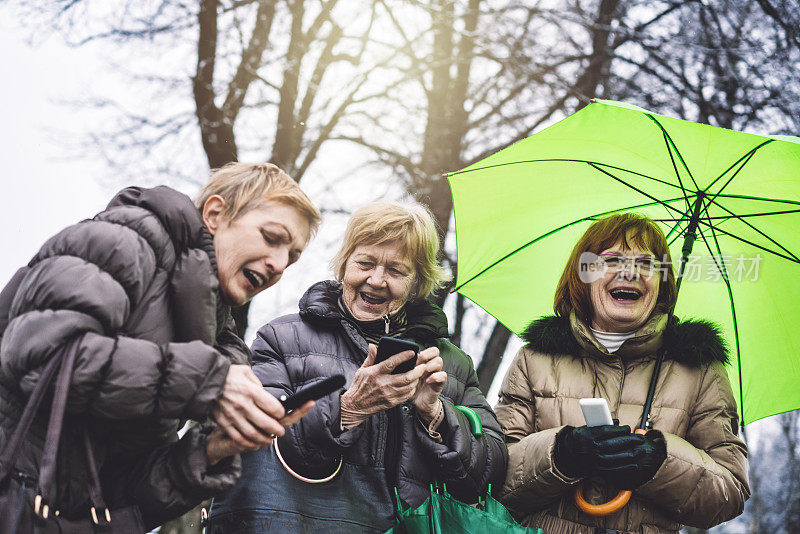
(14, 445)
(63, 362)
(95, 493)
(47, 468)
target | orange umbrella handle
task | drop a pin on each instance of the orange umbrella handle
(600, 510)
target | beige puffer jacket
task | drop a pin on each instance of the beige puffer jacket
(703, 481)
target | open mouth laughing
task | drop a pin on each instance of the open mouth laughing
(625, 294)
(256, 279)
(371, 298)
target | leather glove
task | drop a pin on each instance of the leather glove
(577, 450)
(629, 461)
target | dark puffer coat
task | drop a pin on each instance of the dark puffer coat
(139, 284)
(392, 449)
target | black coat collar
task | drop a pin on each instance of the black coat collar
(691, 342)
(319, 304)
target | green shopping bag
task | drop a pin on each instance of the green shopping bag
(442, 514)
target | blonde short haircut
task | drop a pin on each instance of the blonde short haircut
(244, 186)
(412, 225)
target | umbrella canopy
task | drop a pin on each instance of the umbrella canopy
(519, 212)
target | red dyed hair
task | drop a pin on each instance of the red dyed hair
(626, 228)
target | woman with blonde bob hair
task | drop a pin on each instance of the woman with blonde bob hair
(338, 468)
(412, 227)
(611, 331)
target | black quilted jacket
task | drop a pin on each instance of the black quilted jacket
(295, 350)
(138, 282)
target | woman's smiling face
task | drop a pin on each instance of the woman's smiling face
(624, 298)
(377, 280)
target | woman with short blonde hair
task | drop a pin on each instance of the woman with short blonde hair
(245, 185)
(145, 287)
(338, 469)
(410, 225)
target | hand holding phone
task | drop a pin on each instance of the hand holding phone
(389, 346)
(578, 449)
(314, 391)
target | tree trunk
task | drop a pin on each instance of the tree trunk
(284, 151)
(216, 129)
(588, 84)
(790, 425)
(492, 356)
(755, 504)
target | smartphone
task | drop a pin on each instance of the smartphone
(313, 392)
(596, 412)
(389, 346)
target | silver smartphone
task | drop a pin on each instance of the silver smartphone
(596, 412)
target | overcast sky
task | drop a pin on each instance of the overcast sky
(44, 191)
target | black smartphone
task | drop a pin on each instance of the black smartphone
(313, 392)
(389, 346)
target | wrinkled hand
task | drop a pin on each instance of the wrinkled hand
(375, 388)
(578, 450)
(431, 384)
(250, 416)
(219, 444)
(629, 461)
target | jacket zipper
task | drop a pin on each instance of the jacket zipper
(621, 386)
(386, 320)
(391, 452)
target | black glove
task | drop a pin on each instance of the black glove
(578, 449)
(629, 461)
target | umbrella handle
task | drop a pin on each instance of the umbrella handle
(600, 510)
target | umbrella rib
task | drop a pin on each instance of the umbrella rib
(724, 273)
(683, 217)
(771, 240)
(747, 156)
(675, 238)
(677, 173)
(743, 240)
(682, 233)
(677, 222)
(668, 140)
(746, 159)
(775, 200)
(577, 221)
(567, 160)
(651, 197)
(733, 216)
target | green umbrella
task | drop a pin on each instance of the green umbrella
(520, 211)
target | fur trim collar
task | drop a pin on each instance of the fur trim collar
(690, 342)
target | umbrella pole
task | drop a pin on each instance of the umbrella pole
(688, 242)
(688, 245)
